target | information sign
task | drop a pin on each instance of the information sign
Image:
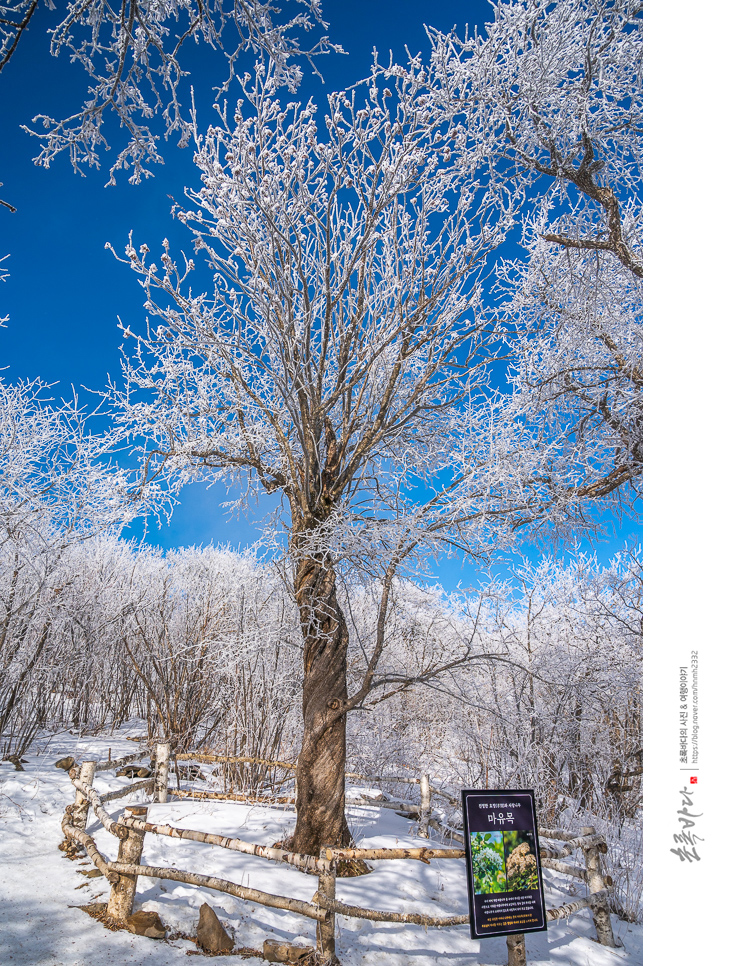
(503, 872)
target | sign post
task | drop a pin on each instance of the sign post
(503, 872)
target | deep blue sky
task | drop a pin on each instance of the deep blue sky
(65, 290)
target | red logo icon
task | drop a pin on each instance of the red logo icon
(693, 780)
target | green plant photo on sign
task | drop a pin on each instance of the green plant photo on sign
(487, 862)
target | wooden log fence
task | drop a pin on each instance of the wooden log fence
(142, 752)
(141, 786)
(308, 909)
(121, 897)
(324, 907)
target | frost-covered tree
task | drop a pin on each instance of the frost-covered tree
(348, 353)
(136, 55)
(562, 84)
(58, 488)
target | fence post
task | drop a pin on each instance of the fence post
(599, 911)
(326, 930)
(162, 769)
(516, 951)
(121, 897)
(424, 815)
(81, 805)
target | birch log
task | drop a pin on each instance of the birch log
(231, 797)
(564, 912)
(221, 885)
(307, 863)
(101, 813)
(86, 841)
(162, 769)
(557, 833)
(596, 885)
(408, 807)
(121, 899)
(395, 779)
(128, 790)
(358, 912)
(582, 842)
(424, 813)
(194, 756)
(81, 805)
(121, 762)
(557, 866)
(326, 927)
(423, 855)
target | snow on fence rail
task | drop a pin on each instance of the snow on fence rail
(323, 909)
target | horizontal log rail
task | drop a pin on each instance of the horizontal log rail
(557, 833)
(581, 842)
(305, 863)
(85, 840)
(128, 790)
(232, 797)
(396, 779)
(564, 912)
(358, 912)
(115, 828)
(121, 762)
(229, 759)
(223, 885)
(450, 799)
(422, 854)
(377, 803)
(557, 866)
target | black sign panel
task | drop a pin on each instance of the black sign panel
(503, 872)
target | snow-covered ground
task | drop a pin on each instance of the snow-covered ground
(41, 890)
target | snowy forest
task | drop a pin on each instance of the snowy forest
(401, 324)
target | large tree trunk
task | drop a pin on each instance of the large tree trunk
(321, 764)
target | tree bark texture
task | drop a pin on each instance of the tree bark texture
(425, 809)
(298, 906)
(162, 768)
(360, 912)
(321, 765)
(596, 885)
(121, 896)
(81, 805)
(566, 911)
(326, 927)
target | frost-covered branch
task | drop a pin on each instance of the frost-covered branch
(137, 52)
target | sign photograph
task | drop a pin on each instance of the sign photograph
(503, 872)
